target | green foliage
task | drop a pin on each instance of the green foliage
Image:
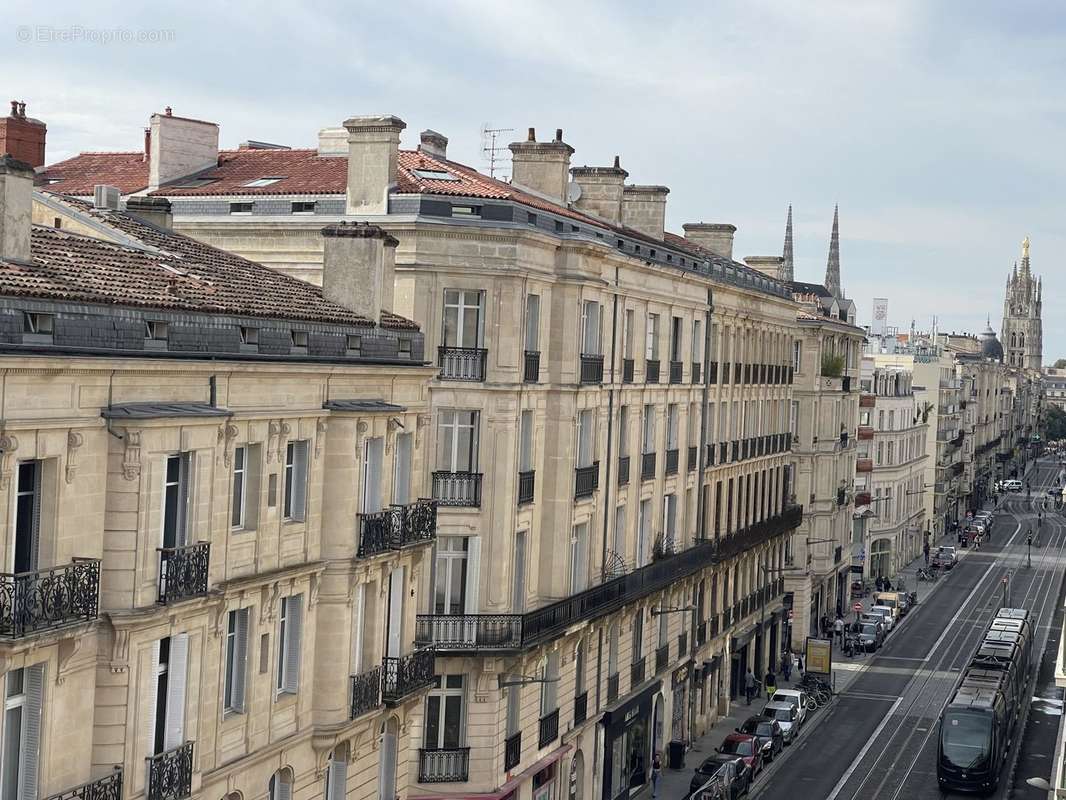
(1060, 363)
(832, 365)
(1054, 423)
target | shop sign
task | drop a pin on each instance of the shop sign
(681, 674)
(819, 656)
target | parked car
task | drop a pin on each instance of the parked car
(871, 637)
(893, 600)
(887, 614)
(797, 698)
(787, 719)
(945, 557)
(720, 776)
(768, 732)
(745, 746)
(873, 619)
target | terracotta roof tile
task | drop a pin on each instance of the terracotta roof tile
(78, 175)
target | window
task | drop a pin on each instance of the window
(644, 534)
(23, 695)
(299, 341)
(579, 558)
(462, 317)
(280, 786)
(290, 627)
(296, 480)
(249, 336)
(648, 434)
(450, 574)
(434, 174)
(457, 441)
(154, 330)
(236, 660)
(671, 426)
(549, 690)
(518, 583)
(444, 713)
(676, 325)
(623, 431)
(531, 218)
(337, 774)
(176, 500)
(525, 442)
(267, 181)
(651, 339)
(797, 353)
(39, 324)
(669, 519)
(240, 208)
(303, 206)
(533, 323)
(590, 328)
(169, 674)
(697, 343)
(638, 636)
(466, 211)
(355, 345)
(620, 533)
(27, 517)
(586, 438)
(240, 486)
(612, 651)
(630, 324)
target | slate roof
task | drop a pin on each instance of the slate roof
(363, 406)
(177, 273)
(163, 411)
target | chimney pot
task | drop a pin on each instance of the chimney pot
(558, 134)
(22, 109)
(168, 111)
(373, 158)
(617, 162)
(14, 108)
(531, 136)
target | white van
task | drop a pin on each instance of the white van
(1012, 485)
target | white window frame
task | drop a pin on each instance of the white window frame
(462, 309)
(290, 636)
(295, 488)
(240, 487)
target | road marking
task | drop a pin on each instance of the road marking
(862, 753)
(869, 696)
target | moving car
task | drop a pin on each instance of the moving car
(798, 699)
(745, 746)
(768, 732)
(1012, 485)
(787, 719)
(725, 774)
(871, 637)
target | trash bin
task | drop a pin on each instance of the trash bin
(676, 754)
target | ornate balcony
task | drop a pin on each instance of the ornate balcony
(612, 688)
(662, 658)
(581, 708)
(405, 675)
(453, 632)
(183, 572)
(712, 372)
(457, 488)
(366, 693)
(526, 485)
(512, 751)
(677, 369)
(586, 480)
(651, 371)
(108, 787)
(671, 461)
(549, 728)
(397, 527)
(444, 765)
(627, 370)
(693, 457)
(623, 470)
(591, 368)
(48, 598)
(695, 372)
(647, 466)
(170, 774)
(462, 363)
(531, 372)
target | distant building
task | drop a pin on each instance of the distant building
(1022, 325)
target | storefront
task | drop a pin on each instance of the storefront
(627, 745)
(738, 666)
(679, 712)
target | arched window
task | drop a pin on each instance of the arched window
(280, 786)
(387, 762)
(1013, 339)
(1021, 340)
(337, 773)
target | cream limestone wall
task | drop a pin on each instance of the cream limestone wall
(101, 498)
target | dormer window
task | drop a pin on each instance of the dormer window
(299, 341)
(405, 348)
(240, 208)
(259, 183)
(558, 226)
(39, 324)
(249, 336)
(303, 206)
(355, 345)
(531, 218)
(434, 175)
(155, 330)
(466, 211)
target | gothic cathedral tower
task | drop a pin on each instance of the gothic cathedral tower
(1022, 333)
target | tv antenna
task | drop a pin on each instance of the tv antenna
(491, 150)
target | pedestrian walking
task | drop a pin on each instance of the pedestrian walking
(749, 685)
(879, 583)
(786, 665)
(838, 628)
(656, 773)
(888, 585)
(925, 552)
(771, 684)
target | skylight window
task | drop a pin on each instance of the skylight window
(194, 183)
(435, 175)
(261, 182)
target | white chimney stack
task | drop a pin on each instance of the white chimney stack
(373, 155)
(713, 236)
(359, 268)
(542, 167)
(16, 209)
(179, 147)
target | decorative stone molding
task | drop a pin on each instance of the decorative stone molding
(312, 594)
(320, 437)
(227, 435)
(120, 650)
(284, 429)
(8, 445)
(394, 425)
(131, 458)
(74, 441)
(69, 647)
(421, 424)
(361, 430)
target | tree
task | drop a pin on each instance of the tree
(1060, 363)
(1054, 423)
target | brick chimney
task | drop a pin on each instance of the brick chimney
(16, 206)
(601, 191)
(153, 210)
(433, 144)
(770, 266)
(714, 236)
(358, 268)
(179, 147)
(644, 209)
(22, 137)
(373, 154)
(542, 167)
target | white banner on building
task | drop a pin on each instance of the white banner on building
(880, 318)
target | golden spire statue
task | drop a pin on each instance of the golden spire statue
(1025, 247)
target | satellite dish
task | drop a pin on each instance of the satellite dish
(573, 192)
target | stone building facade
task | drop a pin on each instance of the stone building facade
(1022, 331)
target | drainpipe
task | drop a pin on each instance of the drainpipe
(701, 510)
(610, 426)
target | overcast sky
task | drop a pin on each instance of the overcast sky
(937, 127)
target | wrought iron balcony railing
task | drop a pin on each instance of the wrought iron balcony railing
(108, 787)
(512, 751)
(587, 480)
(651, 371)
(462, 363)
(623, 470)
(527, 482)
(662, 657)
(627, 370)
(647, 466)
(671, 461)
(591, 368)
(469, 631)
(183, 571)
(444, 765)
(581, 707)
(170, 774)
(549, 728)
(405, 675)
(612, 687)
(397, 527)
(531, 372)
(48, 598)
(366, 692)
(677, 369)
(695, 372)
(457, 488)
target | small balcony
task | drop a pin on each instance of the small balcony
(549, 728)
(627, 370)
(864, 465)
(591, 368)
(586, 480)
(612, 688)
(531, 371)
(662, 658)
(183, 572)
(677, 369)
(651, 371)
(45, 599)
(170, 774)
(695, 372)
(512, 751)
(108, 787)
(636, 672)
(647, 466)
(365, 693)
(693, 457)
(397, 527)
(623, 470)
(444, 765)
(457, 488)
(462, 363)
(405, 675)
(462, 632)
(671, 461)
(581, 708)
(526, 485)
(712, 372)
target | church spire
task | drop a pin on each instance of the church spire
(1025, 256)
(832, 268)
(788, 266)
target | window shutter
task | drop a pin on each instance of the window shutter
(177, 671)
(241, 667)
(336, 781)
(357, 630)
(182, 535)
(473, 573)
(299, 488)
(153, 685)
(35, 522)
(283, 788)
(292, 643)
(31, 743)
